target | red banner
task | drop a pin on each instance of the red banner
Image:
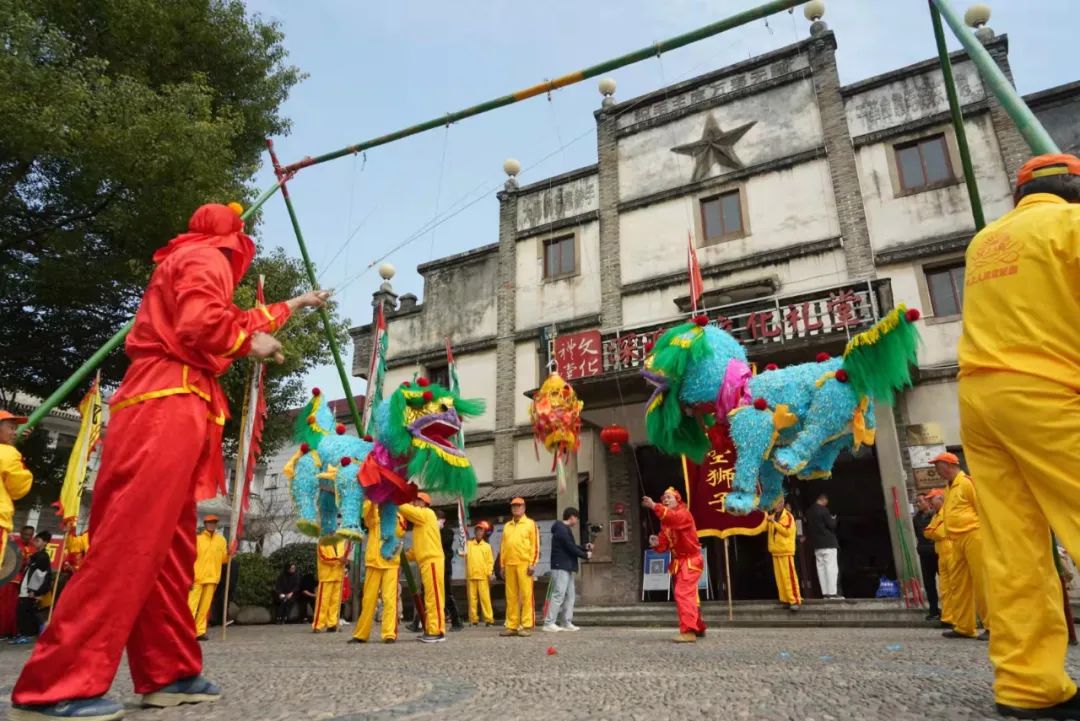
(578, 355)
(708, 486)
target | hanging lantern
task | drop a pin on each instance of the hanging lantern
(556, 418)
(614, 436)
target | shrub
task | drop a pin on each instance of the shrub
(302, 554)
(255, 586)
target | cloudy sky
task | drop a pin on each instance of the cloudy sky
(374, 67)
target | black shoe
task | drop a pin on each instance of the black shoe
(793, 607)
(413, 627)
(458, 627)
(933, 616)
(427, 638)
(944, 624)
(699, 634)
(204, 637)
(954, 634)
(331, 629)
(357, 640)
(389, 640)
(1065, 710)
(984, 636)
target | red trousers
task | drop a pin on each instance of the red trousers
(686, 596)
(9, 603)
(132, 589)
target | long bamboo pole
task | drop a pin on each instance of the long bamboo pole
(1029, 126)
(112, 344)
(957, 120)
(562, 81)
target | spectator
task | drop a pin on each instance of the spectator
(447, 536)
(821, 530)
(286, 589)
(480, 572)
(37, 582)
(565, 552)
(517, 557)
(306, 597)
(928, 558)
(781, 545)
(9, 593)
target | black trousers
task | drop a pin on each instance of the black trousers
(929, 563)
(451, 609)
(284, 605)
(27, 617)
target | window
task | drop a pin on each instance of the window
(271, 482)
(721, 217)
(559, 260)
(440, 375)
(924, 164)
(946, 285)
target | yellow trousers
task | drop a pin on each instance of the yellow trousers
(519, 597)
(199, 600)
(327, 605)
(969, 583)
(787, 580)
(379, 582)
(1020, 437)
(479, 588)
(946, 594)
(431, 576)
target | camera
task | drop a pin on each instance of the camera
(596, 528)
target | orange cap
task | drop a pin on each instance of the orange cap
(423, 497)
(483, 524)
(946, 457)
(517, 501)
(211, 518)
(935, 492)
(1043, 165)
(8, 416)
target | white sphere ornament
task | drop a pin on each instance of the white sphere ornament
(814, 10)
(977, 15)
(511, 167)
(386, 271)
(607, 87)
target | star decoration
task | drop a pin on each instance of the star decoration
(715, 147)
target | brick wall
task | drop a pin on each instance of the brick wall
(505, 357)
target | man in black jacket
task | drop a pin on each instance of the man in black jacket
(927, 555)
(37, 581)
(820, 528)
(565, 552)
(448, 536)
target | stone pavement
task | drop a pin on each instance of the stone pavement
(810, 674)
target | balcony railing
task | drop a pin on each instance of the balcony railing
(833, 313)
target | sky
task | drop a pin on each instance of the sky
(374, 67)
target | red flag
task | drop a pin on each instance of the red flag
(697, 287)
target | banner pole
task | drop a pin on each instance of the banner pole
(56, 581)
(727, 578)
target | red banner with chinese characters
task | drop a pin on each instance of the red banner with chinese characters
(708, 485)
(578, 355)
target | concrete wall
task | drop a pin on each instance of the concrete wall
(936, 403)
(940, 336)
(477, 374)
(1060, 119)
(542, 301)
(482, 457)
(527, 376)
(556, 202)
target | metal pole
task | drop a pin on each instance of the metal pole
(957, 120)
(1029, 126)
(547, 86)
(95, 360)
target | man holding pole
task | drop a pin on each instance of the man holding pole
(678, 534)
(168, 414)
(15, 479)
(331, 555)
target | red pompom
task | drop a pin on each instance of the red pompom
(761, 404)
(311, 420)
(423, 382)
(771, 367)
(315, 391)
(367, 438)
(406, 384)
(346, 461)
(551, 651)
(822, 357)
(566, 390)
(340, 428)
(701, 320)
(913, 315)
(841, 375)
(649, 346)
(428, 396)
(304, 448)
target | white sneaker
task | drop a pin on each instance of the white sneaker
(550, 628)
(569, 627)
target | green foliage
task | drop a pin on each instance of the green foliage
(302, 554)
(255, 586)
(119, 118)
(48, 466)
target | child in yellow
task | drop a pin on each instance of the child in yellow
(518, 555)
(963, 529)
(210, 553)
(332, 554)
(782, 548)
(430, 561)
(15, 479)
(936, 532)
(380, 580)
(479, 571)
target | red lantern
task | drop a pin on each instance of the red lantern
(614, 436)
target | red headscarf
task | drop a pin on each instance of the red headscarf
(216, 226)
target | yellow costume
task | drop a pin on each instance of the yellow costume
(782, 548)
(15, 482)
(380, 579)
(330, 566)
(519, 552)
(1020, 420)
(210, 554)
(936, 532)
(968, 577)
(427, 547)
(479, 565)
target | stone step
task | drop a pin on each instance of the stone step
(862, 612)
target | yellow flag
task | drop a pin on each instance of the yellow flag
(89, 433)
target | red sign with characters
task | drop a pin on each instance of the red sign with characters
(578, 355)
(709, 485)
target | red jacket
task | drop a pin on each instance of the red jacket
(187, 330)
(679, 535)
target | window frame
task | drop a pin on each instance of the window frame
(559, 239)
(442, 370)
(948, 266)
(943, 137)
(744, 230)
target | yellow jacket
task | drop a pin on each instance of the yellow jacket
(15, 482)
(426, 541)
(782, 535)
(330, 561)
(1020, 293)
(520, 543)
(479, 562)
(373, 557)
(961, 515)
(210, 553)
(936, 532)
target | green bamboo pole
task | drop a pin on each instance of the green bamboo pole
(645, 53)
(112, 344)
(1029, 126)
(957, 120)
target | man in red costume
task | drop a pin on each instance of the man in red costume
(162, 455)
(678, 534)
(9, 593)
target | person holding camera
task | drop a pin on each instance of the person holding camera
(565, 553)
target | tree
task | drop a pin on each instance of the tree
(270, 514)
